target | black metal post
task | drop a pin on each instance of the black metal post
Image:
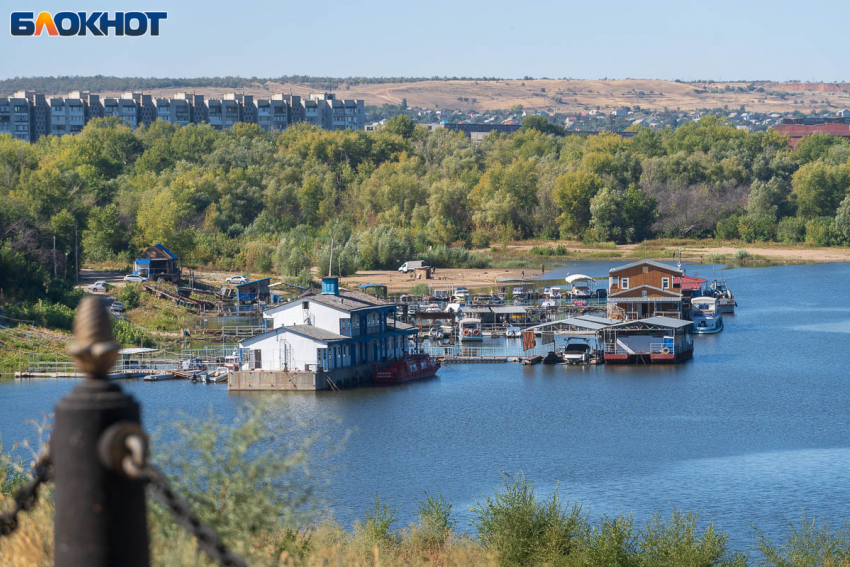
(100, 512)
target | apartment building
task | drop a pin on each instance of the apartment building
(28, 115)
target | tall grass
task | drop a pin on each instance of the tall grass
(258, 494)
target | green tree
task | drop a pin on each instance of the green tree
(820, 188)
(573, 193)
(104, 234)
(842, 219)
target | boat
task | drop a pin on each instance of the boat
(461, 294)
(513, 333)
(576, 351)
(725, 300)
(158, 377)
(410, 367)
(219, 375)
(705, 316)
(435, 334)
(469, 329)
(580, 286)
(433, 308)
(441, 295)
(554, 292)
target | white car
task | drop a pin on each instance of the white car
(236, 280)
(135, 278)
(99, 285)
(117, 307)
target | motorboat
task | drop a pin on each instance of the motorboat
(433, 308)
(725, 300)
(576, 351)
(705, 316)
(218, 375)
(469, 329)
(461, 294)
(513, 333)
(554, 292)
(580, 286)
(411, 367)
(441, 295)
(435, 334)
(158, 377)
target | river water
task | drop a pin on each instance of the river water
(753, 431)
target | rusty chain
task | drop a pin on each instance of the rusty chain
(135, 466)
(27, 495)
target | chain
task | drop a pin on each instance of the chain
(136, 466)
(27, 495)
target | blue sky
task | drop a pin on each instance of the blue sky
(667, 39)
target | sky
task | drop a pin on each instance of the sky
(615, 39)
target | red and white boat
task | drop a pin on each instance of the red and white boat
(411, 367)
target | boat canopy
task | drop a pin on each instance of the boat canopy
(578, 278)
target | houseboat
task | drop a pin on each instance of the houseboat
(322, 341)
(645, 289)
(705, 316)
(725, 300)
(581, 286)
(469, 329)
(656, 340)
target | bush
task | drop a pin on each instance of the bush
(375, 531)
(821, 231)
(760, 228)
(445, 257)
(435, 522)
(130, 295)
(419, 289)
(727, 229)
(129, 335)
(527, 530)
(45, 313)
(791, 229)
(542, 250)
(480, 239)
(742, 255)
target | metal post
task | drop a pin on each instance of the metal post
(100, 515)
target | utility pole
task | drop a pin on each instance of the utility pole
(331, 263)
(54, 257)
(76, 255)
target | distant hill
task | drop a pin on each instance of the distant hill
(483, 94)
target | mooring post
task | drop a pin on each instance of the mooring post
(100, 516)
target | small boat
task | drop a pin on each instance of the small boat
(219, 375)
(435, 334)
(554, 292)
(705, 316)
(580, 286)
(411, 367)
(576, 351)
(513, 333)
(433, 308)
(441, 295)
(461, 294)
(469, 329)
(158, 377)
(725, 300)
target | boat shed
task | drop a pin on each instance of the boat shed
(581, 325)
(257, 290)
(654, 339)
(378, 290)
(158, 262)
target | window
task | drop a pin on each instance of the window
(665, 283)
(643, 293)
(305, 305)
(624, 283)
(646, 269)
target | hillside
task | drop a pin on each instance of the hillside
(567, 95)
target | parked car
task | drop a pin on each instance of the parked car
(99, 285)
(135, 278)
(236, 280)
(117, 307)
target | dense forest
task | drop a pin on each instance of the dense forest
(249, 200)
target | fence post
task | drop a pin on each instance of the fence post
(100, 515)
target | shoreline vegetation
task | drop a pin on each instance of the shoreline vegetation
(259, 495)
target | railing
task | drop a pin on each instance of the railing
(373, 329)
(486, 352)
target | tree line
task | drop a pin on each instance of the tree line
(272, 202)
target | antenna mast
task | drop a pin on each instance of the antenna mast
(331, 263)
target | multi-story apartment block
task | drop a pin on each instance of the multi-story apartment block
(29, 115)
(67, 116)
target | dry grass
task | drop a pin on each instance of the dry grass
(575, 95)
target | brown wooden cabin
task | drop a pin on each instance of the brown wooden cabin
(645, 289)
